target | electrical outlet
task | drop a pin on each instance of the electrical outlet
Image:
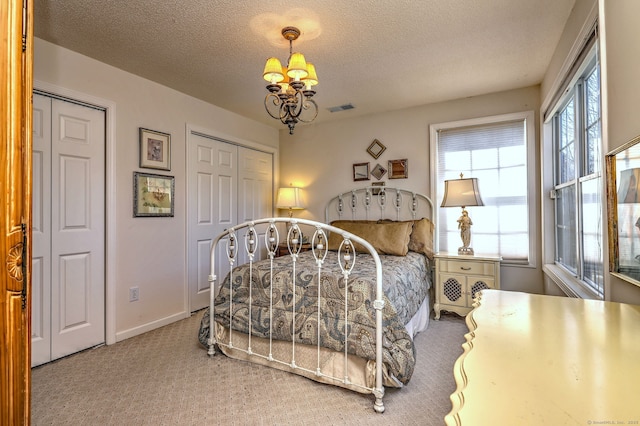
(134, 294)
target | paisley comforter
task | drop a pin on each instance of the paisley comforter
(405, 280)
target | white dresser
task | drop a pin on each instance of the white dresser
(548, 360)
(460, 277)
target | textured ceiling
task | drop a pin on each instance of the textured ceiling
(376, 55)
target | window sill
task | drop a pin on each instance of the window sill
(569, 285)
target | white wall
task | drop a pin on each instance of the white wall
(148, 252)
(319, 157)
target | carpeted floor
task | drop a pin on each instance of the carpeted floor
(164, 377)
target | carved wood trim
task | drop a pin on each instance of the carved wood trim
(14, 262)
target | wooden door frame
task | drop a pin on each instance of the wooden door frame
(16, 83)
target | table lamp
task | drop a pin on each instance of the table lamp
(462, 193)
(290, 198)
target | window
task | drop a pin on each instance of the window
(496, 151)
(578, 178)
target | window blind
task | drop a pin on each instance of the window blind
(495, 154)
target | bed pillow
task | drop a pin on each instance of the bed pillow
(387, 238)
(421, 239)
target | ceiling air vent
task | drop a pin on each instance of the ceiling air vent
(341, 108)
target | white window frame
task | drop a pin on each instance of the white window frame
(437, 188)
(569, 283)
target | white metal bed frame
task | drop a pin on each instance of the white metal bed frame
(347, 259)
(362, 202)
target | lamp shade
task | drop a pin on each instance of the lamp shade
(461, 193)
(297, 68)
(629, 188)
(290, 198)
(273, 71)
(311, 79)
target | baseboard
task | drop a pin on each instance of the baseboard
(123, 335)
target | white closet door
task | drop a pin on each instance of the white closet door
(69, 192)
(227, 184)
(255, 189)
(41, 233)
(213, 208)
(77, 218)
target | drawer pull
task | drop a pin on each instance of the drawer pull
(465, 269)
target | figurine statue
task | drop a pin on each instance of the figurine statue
(464, 224)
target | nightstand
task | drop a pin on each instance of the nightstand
(460, 277)
(283, 250)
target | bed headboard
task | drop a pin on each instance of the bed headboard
(375, 202)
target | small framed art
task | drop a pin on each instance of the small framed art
(155, 149)
(376, 148)
(378, 186)
(378, 171)
(361, 171)
(153, 195)
(398, 169)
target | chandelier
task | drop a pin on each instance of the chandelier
(289, 98)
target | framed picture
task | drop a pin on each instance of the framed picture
(361, 171)
(155, 149)
(152, 195)
(378, 187)
(398, 169)
(623, 207)
(378, 171)
(376, 148)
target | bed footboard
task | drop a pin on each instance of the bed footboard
(259, 239)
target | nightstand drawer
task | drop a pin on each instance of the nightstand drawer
(466, 267)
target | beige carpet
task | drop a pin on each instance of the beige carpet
(164, 377)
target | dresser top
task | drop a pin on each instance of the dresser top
(533, 359)
(478, 257)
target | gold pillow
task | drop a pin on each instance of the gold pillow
(421, 240)
(387, 238)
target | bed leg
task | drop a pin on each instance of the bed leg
(378, 405)
(212, 349)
